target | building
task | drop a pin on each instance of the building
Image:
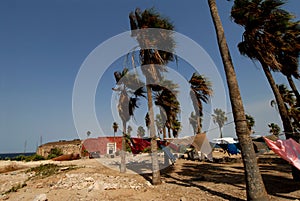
(102, 145)
(67, 147)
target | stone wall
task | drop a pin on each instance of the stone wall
(67, 147)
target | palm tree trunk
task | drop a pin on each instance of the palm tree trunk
(284, 116)
(169, 131)
(123, 151)
(288, 129)
(254, 183)
(294, 88)
(221, 134)
(155, 166)
(198, 125)
(164, 132)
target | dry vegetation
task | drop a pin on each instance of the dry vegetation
(186, 180)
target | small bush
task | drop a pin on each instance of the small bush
(45, 170)
(16, 188)
(34, 157)
(147, 150)
(19, 158)
(55, 152)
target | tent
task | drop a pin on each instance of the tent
(199, 142)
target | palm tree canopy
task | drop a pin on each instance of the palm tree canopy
(274, 129)
(250, 121)
(201, 90)
(140, 131)
(115, 127)
(162, 41)
(131, 89)
(219, 117)
(269, 31)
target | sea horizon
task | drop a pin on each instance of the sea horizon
(12, 155)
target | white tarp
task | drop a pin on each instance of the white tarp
(224, 140)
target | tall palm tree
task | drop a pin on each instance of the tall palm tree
(293, 110)
(152, 62)
(292, 107)
(262, 20)
(200, 92)
(219, 117)
(254, 183)
(289, 54)
(129, 95)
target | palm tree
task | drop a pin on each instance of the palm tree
(290, 103)
(129, 130)
(274, 129)
(250, 122)
(140, 132)
(194, 122)
(152, 62)
(176, 127)
(88, 133)
(289, 54)
(254, 183)
(167, 100)
(129, 95)
(262, 40)
(160, 125)
(219, 117)
(200, 91)
(115, 126)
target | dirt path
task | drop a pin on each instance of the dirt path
(186, 180)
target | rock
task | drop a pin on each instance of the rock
(39, 185)
(40, 197)
(4, 197)
(183, 199)
(96, 186)
(89, 179)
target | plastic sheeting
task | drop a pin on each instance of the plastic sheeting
(289, 150)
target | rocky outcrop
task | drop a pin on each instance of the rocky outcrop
(67, 147)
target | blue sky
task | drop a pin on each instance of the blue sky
(44, 44)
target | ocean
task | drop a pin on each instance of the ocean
(12, 155)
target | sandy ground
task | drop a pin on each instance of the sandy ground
(185, 180)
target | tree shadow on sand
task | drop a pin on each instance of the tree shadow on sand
(195, 174)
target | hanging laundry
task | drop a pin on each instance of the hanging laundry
(289, 150)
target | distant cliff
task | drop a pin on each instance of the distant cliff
(67, 147)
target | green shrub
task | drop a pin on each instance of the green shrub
(55, 152)
(44, 170)
(34, 157)
(16, 188)
(147, 150)
(19, 158)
